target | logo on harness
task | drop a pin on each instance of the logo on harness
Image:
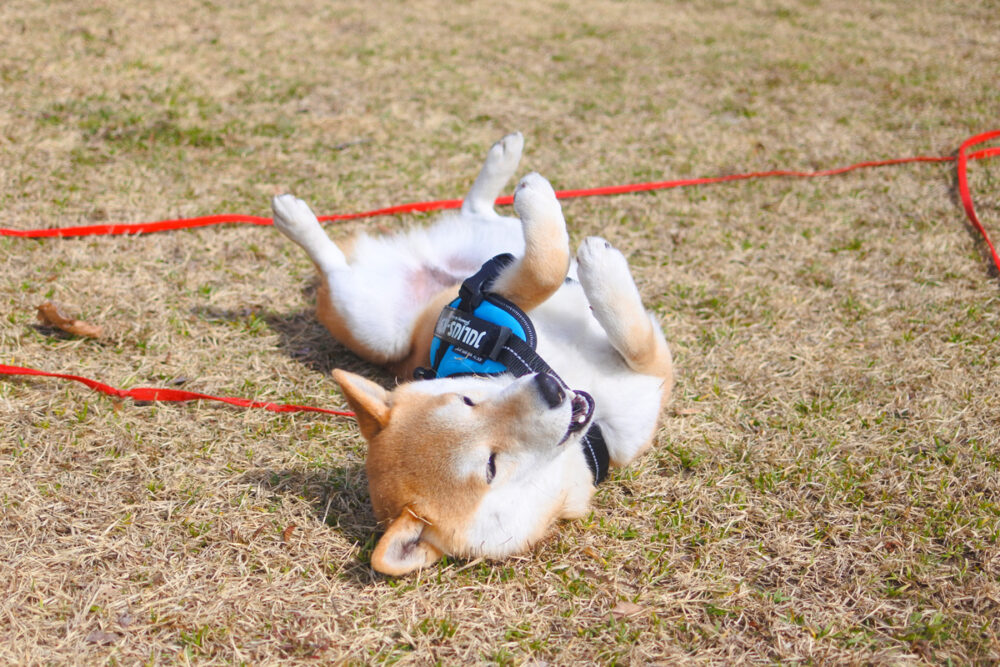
(469, 336)
(457, 328)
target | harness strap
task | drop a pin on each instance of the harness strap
(521, 359)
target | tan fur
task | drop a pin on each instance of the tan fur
(404, 546)
(423, 333)
(537, 275)
(333, 320)
(396, 486)
(368, 400)
(408, 466)
(645, 352)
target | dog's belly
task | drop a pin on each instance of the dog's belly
(429, 280)
(422, 262)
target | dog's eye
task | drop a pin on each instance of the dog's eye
(491, 468)
(468, 401)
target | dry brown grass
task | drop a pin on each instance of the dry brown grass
(825, 484)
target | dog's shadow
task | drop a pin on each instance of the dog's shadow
(301, 336)
(338, 496)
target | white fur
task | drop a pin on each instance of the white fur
(506, 522)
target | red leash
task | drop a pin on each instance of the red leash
(169, 395)
(963, 184)
(419, 207)
(162, 394)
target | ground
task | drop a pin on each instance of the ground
(824, 485)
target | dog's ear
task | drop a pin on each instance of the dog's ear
(369, 401)
(401, 550)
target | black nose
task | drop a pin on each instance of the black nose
(550, 389)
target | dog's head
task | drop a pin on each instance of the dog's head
(469, 466)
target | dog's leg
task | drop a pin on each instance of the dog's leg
(615, 301)
(500, 164)
(350, 307)
(534, 277)
(295, 219)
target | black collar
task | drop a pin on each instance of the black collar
(595, 450)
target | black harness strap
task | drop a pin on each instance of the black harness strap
(521, 359)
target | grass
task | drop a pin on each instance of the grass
(823, 487)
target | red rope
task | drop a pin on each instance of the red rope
(963, 184)
(418, 207)
(162, 394)
(168, 395)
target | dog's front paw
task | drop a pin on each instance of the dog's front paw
(603, 270)
(534, 198)
(594, 253)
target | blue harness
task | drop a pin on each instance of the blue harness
(482, 333)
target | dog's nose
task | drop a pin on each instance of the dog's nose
(550, 389)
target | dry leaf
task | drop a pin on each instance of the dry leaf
(49, 315)
(625, 609)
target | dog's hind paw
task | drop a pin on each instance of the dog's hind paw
(501, 162)
(295, 219)
(505, 154)
(292, 215)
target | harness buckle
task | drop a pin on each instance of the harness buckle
(474, 288)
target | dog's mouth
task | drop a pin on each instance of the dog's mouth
(583, 412)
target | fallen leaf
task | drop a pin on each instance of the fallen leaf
(625, 609)
(50, 315)
(103, 638)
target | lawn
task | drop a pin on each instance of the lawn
(825, 483)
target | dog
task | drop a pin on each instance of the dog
(482, 458)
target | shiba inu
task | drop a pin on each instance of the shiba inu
(539, 369)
